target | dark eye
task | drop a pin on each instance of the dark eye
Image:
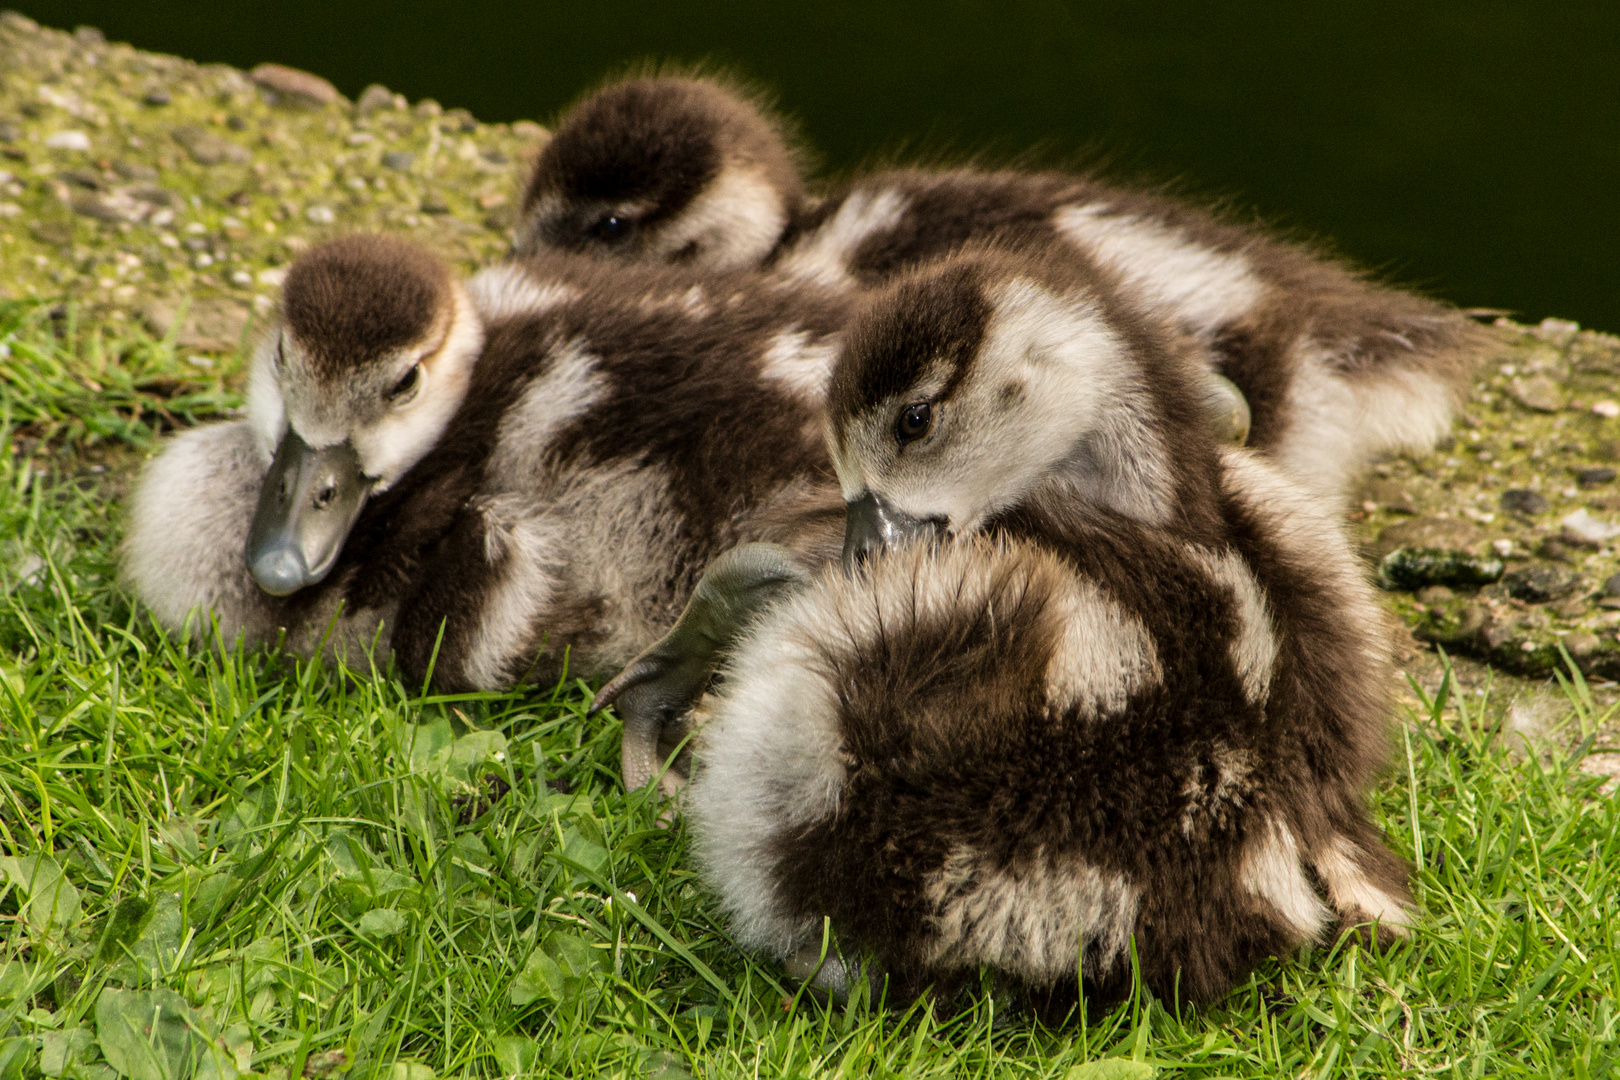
(611, 227)
(407, 384)
(914, 422)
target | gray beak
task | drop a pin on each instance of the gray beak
(871, 524)
(308, 504)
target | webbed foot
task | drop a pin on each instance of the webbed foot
(656, 691)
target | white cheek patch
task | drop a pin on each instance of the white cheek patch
(1198, 288)
(733, 224)
(1054, 394)
(822, 257)
(800, 363)
(392, 444)
(509, 290)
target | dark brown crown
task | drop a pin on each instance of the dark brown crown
(659, 141)
(351, 300)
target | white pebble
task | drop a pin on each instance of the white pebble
(1606, 409)
(68, 140)
(242, 278)
(273, 277)
(1589, 528)
(320, 215)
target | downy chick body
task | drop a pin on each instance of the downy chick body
(496, 474)
(1088, 677)
(1336, 369)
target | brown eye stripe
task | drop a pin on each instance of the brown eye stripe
(928, 324)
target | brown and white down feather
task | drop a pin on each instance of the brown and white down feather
(1081, 717)
(1337, 369)
(620, 428)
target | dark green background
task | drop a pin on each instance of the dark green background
(1470, 148)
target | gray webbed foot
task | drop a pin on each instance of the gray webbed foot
(654, 694)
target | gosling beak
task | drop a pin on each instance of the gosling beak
(308, 504)
(872, 524)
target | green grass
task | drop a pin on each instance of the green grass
(220, 861)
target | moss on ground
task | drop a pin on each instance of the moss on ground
(147, 193)
(239, 864)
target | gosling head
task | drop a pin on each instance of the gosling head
(369, 360)
(987, 381)
(663, 170)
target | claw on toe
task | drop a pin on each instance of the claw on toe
(661, 686)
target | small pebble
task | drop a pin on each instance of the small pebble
(1537, 393)
(1580, 644)
(1557, 331)
(398, 159)
(1611, 587)
(1538, 584)
(80, 178)
(207, 148)
(1572, 608)
(1523, 501)
(156, 98)
(1434, 594)
(320, 215)
(375, 97)
(1592, 477)
(134, 170)
(68, 140)
(1585, 528)
(1606, 409)
(295, 87)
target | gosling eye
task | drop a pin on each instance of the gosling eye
(913, 422)
(611, 228)
(407, 386)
